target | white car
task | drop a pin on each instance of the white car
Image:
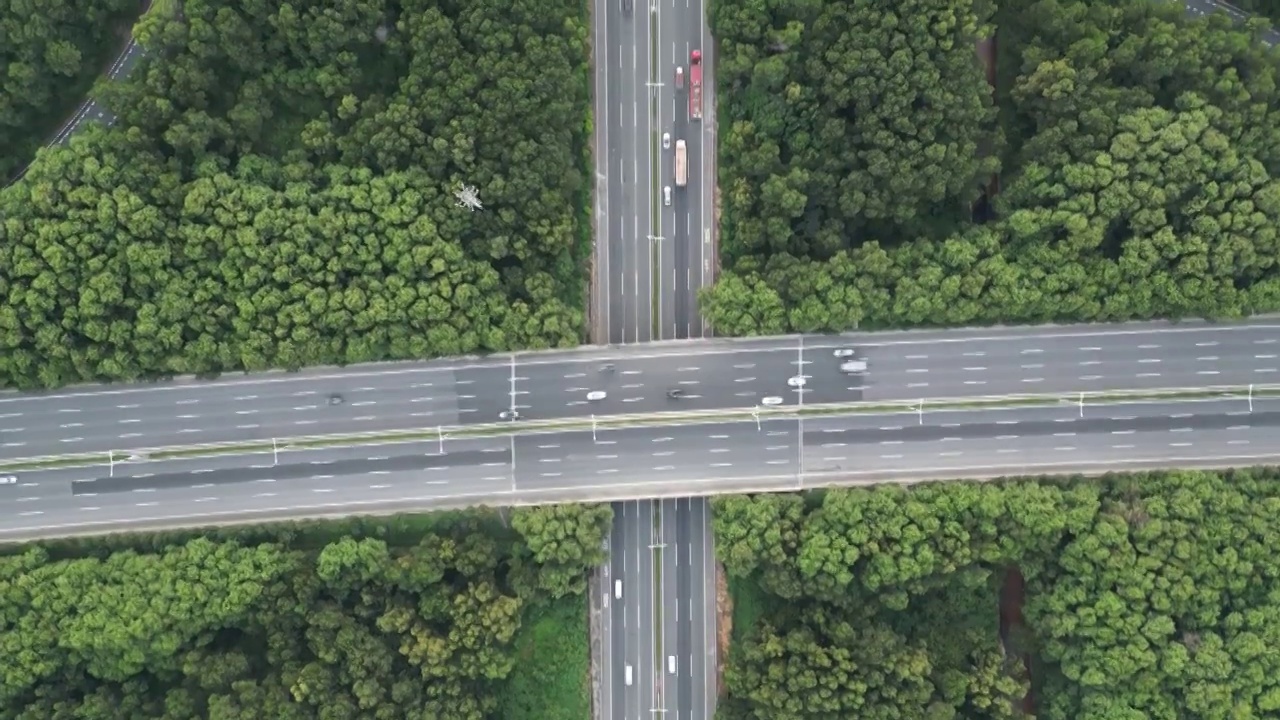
(666, 140)
(8, 479)
(797, 381)
(509, 415)
(617, 589)
(844, 352)
(671, 664)
(771, 400)
(597, 395)
(666, 195)
(679, 77)
(853, 367)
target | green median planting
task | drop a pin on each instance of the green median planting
(443, 434)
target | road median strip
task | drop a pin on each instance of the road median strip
(620, 422)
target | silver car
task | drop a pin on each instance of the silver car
(666, 140)
(666, 195)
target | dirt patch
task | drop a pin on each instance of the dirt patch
(1013, 594)
(724, 626)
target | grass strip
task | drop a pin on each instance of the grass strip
(542, 427)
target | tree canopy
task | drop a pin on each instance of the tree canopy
(1138, 153)
(50, 53)
(278, 192)
(1146, 595)
(423, 622)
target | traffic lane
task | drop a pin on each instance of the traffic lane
(643, 454)
(638, 627)
(131, 430)
(728, 380)
(670, 605)
(97, 422)
(58, 498)
(961, 427)
(620, 121)
(680, 669)
(703, 676)
(1052, 364)
(615, 632)
(646, 680)
(1042, 455)
(1110, 334)
(1258, 336)
(397, 460)
(691, 257)
(645, 194)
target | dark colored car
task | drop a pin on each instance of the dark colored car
(626, 6)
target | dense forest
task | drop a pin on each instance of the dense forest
(278, 192)
(1138, 152)
(1148, 595)
(50, 53)
(449, 615)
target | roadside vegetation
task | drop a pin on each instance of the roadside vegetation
(1147, 595)
(1138, 152)
(278, 192)
(447, 615)
(50, 54)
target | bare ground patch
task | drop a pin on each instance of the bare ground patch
(724, 625)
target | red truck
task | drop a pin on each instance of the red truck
(695, 85)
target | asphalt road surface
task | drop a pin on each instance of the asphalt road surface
(687, 656)
(687, 256)
(629, 640)
(624, 141)
(641, 462)
(713, 374)
(92, 110)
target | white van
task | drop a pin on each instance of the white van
(671, 664)
(628, 674)
(617, 589)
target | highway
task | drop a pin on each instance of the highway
(624, 170)
(1199, 8)
(648, 276)
(645, 462)
(686, 250)
(714, 374)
